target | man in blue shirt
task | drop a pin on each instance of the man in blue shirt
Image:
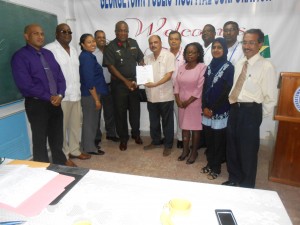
(43, 94)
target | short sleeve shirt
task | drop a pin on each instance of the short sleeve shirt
(124, 59)
(164, 63)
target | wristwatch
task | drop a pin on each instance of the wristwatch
(60, 96)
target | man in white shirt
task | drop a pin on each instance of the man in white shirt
(208, 35)
(174, 40)
(67, 57)
(160, 95)
(253, 95)
(107, 101)
(230, 32)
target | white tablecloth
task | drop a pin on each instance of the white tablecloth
(104, 198)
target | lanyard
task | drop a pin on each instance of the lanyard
(207, 49)
(233, 52)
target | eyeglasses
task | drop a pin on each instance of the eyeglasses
(66, 32)
(249, 42)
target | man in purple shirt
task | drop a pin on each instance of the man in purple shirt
(42, 94)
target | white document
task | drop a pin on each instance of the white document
(144, 74)
(19, 182)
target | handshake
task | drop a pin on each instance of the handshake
(131, 85)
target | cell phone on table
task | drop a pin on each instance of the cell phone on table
(225, 217)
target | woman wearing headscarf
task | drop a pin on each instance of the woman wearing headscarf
(215, 105)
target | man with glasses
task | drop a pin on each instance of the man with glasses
(230, 32)
(67, 57)
(253, 95)
(41, 81)
(121, 56)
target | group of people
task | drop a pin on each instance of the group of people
(221, 91)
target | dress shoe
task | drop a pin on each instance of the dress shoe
(99, 152)
(113, 138)
(230, 183)
(82, 156)
(123, 146)
(167, 151)
(151, 146)
(191, 161)
(179, 144)
(137, 140)
(183, 156)
(70, 163)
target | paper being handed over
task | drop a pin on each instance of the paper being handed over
(144, 74)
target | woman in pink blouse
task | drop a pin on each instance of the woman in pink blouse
(188, 94)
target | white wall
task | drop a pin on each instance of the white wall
(64, 9)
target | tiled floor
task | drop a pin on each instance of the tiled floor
(151, 163)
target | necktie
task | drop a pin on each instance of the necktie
(239, 84)
(51, 81)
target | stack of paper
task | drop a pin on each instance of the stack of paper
(27, 190)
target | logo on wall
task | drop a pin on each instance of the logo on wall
(265, 49)
(296, 99)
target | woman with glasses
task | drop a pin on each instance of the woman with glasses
(188, 91)
(215, 105)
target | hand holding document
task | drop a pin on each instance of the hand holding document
(144, 74)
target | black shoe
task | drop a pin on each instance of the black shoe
(123, 145)
(137, 139)
(230, 183)
(99, 152)
(191, 161)
(179, 144)
(183, 156)
(114, 139)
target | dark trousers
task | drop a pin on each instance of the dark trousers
(125, 100)
(161, 111)
(109, 118)
(216, 143)
(108, 114)
(46, 122)
(243, 142)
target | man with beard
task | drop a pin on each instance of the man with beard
(41, 81)
(107, 101)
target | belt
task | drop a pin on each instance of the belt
(30, 98)
(245, 104)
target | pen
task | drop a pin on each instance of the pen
(12, 222)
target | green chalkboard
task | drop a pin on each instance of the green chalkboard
(13, 19)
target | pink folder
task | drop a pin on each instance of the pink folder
(42, 198)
